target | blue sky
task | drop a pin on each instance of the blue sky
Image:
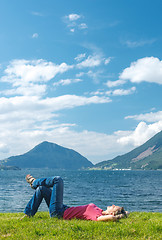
(83, 74)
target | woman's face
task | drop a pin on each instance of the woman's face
(111, 210)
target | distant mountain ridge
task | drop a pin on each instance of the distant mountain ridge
(49, 155)
(147, 157)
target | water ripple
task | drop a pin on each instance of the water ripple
(135, 190)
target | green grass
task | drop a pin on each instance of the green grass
(138, 225)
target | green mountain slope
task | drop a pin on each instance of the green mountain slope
(148, 156)
(49, 155)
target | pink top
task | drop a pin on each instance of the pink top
(87, 212)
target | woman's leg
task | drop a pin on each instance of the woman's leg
(56, 207)
(34, 203)
(55, 201)
(46, 182)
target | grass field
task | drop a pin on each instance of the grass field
(138, 225)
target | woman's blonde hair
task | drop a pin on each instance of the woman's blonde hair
(121, 211)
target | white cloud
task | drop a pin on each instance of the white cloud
(95, 75)
(32, 71)
(98, 92)
(73, 17)
(3, 148)
(121, 92)
(34, 119)
(82, 26)
(116, 83)
(29, 89)
(72, 30)
(92, 61)
(35, 35)
(116, 92)
(148, 117)
(108, 93)
(67, 82)
(107, 60)
(79, 57)
(141, 43)
(72, 25)
(24, 76)
(70, 101)
(143, 131)
(148, 69)
(50, 104)
(141, 134)
(81, 74)
(73, 22)
(95, 146)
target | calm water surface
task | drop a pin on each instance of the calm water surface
(135, 190)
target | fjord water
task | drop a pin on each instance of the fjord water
(135, 190)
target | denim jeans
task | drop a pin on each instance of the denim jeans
(53, 197)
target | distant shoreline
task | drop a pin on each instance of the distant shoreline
(6, 168)
(3, 168)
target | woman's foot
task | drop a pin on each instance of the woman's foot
(30, 180)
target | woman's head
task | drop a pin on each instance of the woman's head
(115, 210)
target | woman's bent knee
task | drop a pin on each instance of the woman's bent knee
(58, 179)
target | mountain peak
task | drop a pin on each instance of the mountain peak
(147, 156)
(49, 155)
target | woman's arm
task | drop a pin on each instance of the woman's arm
(110, 217)
(107, 218)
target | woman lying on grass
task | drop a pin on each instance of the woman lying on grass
(54, 200)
